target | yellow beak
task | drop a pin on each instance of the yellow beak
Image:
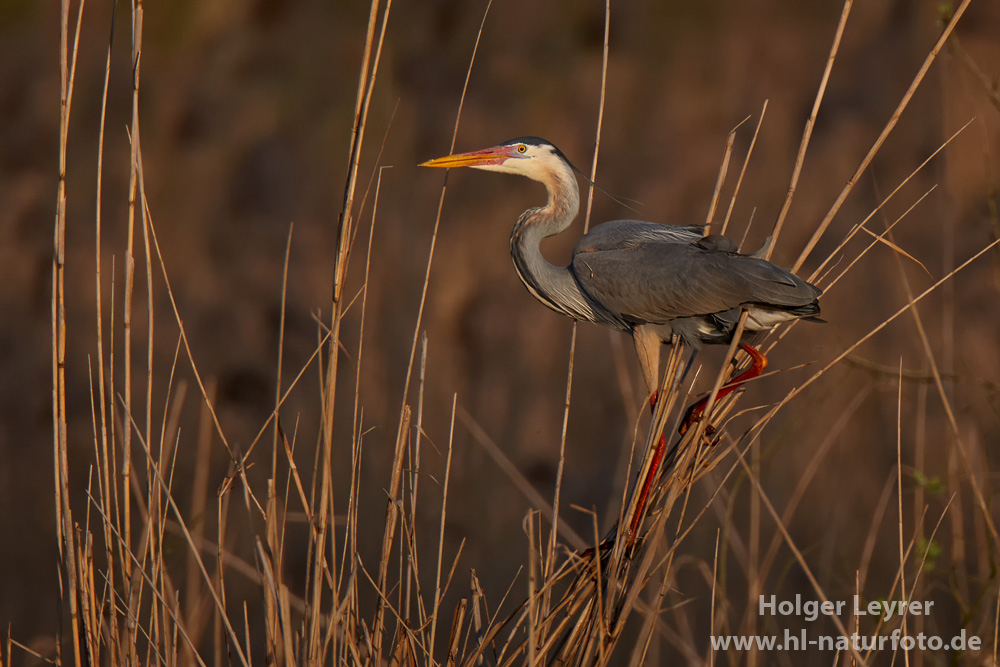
(487, 156)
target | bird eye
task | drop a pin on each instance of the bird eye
(522, 148)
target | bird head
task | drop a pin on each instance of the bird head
(525, 156)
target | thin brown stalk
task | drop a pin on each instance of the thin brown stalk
(810, 472)
(807, 132)
(366, 83)
(549, 562)
(315, 356)
(437, 217)
(251, 499)
(456, 631)
(727, 154)
(349, 593)
(103, 456)
(157, 477)
(886, 131)
(843, 355)
(126, 469)
(64, 517)
(444, 512)
(281, 349)
(350, 541)
(899, 251)
(715, 579)
(150, 310)
(746, 232)
(854, 230)
(795, 551)
(743, 171)
(412, 569)
(878, 513)
(650, 622)
(899, 502)
(534, 498)
(878, 238)
(533, 612)
(906, 556)
(960, 444)
(199, 505)
(153, 489)
(163, 602)
(389, 531)
(274, 531)
(721, 376)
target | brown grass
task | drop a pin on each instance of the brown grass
(292, 563)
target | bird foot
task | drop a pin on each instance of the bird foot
(695, 414)
(603, 549)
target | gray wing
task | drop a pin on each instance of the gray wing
(662, 279)
(627, 233)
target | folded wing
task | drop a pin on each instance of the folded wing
(647, 276)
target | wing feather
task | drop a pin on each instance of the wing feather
(644, 275)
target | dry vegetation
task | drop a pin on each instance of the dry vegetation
(248, 473)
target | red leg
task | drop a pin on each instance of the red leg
(695, 412)
(661, 448)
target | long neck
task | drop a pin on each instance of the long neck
(554, 286)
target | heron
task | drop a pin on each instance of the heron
(658, 283)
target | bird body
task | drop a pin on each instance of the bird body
(651, 280)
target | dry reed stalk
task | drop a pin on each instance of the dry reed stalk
(392, 517)
(886, 131)
(580, 629)
(366, 82)
(843, 355)
(719, 379)
(899, 571)
(578, 605)
(899, 500)
(195, 607)
(809, 474)
(251, 502)
(960, 443)
(743, 171)
(438, 593)
(219, 598)
(549, 561)
(882, 202)
(68, 555)
(412, 567)
(535, 499)
(712, 627)
(280, 351)
(911, 303)
(879, 238)
(107, 481)
(797, 553)
(126, 469)
(807, 132)
(713, 204)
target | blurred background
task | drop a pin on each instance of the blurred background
(246, 112)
